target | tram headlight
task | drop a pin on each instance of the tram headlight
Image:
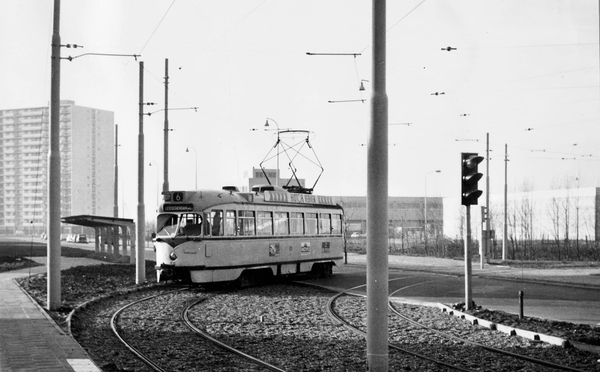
(173, 256)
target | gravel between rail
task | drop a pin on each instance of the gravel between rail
(286, 322)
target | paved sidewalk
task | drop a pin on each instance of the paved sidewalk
(29, 339)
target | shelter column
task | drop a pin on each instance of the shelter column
(133, 258)
(103, 237)
(116, 239)
(96, 239)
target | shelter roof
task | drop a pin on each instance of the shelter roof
(97, 221)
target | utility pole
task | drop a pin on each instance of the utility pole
(140, 265)
(488, 238)
(485, 248)
(166, 154)
(505, 232)
(116, 192)
(377, 201)
(54, 249)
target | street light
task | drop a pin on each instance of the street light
(362, 87)
(425, 206)
(187, 149)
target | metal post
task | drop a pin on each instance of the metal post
(425, 207)
(140, 267)
(54, 249)
(166, 154)
(505, 232)
(377, 202)
(487, 239)
(425, 215)
(468, 289)
(483, 236)
(116, 201)
(521, 304)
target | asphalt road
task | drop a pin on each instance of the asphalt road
(546, 301)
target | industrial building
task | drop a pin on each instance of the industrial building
(87, 166)
(408, 217)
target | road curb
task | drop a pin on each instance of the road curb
(534, 336)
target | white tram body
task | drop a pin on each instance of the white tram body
(215, 236)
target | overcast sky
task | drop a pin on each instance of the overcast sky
(526, 72)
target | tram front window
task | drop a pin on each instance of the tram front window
(190, 224)
(166, 225)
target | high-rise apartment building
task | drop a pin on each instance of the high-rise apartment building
(87, 165)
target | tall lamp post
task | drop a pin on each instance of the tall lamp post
(187, 149)
(425, 206)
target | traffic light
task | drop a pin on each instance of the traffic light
(470, 177)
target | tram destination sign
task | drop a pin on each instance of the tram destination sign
(287, 197)
(178, 207)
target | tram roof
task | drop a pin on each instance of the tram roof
(210, 198)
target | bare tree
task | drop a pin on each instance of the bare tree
(554, 209)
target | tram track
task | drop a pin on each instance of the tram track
(454, 348)
(285, 325)
(193, 353)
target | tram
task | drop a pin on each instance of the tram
(208, 236)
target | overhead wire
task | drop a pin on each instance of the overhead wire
(157, 26)
(397, 22)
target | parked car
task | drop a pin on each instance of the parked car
(81, 238)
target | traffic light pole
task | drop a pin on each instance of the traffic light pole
(467, 239)
(469, 195)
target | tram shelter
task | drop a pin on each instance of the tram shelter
(107, 237)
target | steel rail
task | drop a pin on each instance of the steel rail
(483, 346)
(190, 324)
(332, 313)
(137, 353)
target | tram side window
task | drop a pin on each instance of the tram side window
(264, 223)
(214, 226)
(281, 223)
(324, 223)
(336, 224)
(230, 223)
(296, 225)
(247, 223)
(310, 223)
(190, 224)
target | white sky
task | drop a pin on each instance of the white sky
(518, 65)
